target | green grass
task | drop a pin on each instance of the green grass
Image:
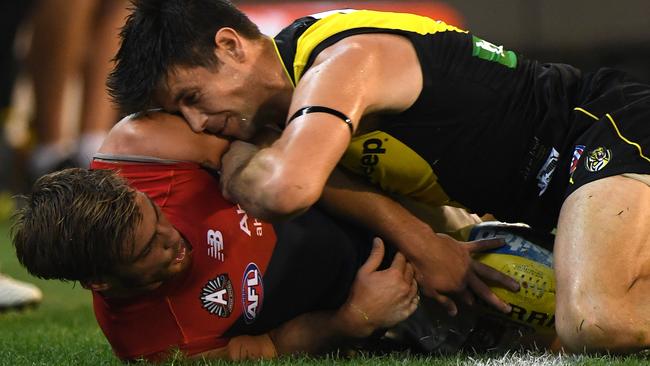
(63, 331)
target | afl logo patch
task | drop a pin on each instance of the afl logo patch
(252, 292)
(597, 159)
(217, 296)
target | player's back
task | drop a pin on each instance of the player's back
(486, 131)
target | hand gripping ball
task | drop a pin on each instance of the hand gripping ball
(531, 265)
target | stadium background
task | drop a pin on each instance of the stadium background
(588, 34)
(585, 33)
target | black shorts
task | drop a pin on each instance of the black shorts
(618, 138)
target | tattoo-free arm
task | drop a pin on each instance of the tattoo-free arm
(352, 77)
(310, 333)
(377, 299)
(443, 265)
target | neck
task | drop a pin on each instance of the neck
(274, 110)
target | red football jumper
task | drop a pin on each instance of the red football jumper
(230, 252)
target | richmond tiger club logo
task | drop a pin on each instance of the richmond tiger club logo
(217, 296)
(252, 292)
(597, 159)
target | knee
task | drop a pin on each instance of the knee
(577, 329)
(587, 326)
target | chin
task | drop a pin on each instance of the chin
(246, 130)
(245, 134)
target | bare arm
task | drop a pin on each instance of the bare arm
(440, 263)
(378, 299)
(289, 176)
(443, 265)
(165, 136)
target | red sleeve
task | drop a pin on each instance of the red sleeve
(147, 326)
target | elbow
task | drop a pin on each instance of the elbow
(286, 198)
(269, 188)
(279, 199)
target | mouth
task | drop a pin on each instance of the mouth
(226, 122)
(215, 131)
(220, 130)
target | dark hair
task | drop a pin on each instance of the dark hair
(77, 225)
(161, 34)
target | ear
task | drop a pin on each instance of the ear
(95, 285)
(229, 44)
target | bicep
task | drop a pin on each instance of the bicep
(360, 75)
(355, 77)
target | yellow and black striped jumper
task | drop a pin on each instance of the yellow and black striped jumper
(492, 131)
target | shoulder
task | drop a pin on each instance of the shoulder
(369, 51)
(165, 136)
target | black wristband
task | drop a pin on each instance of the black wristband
(321, 109)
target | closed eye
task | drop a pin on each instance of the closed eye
(152, 240)
(191, 99)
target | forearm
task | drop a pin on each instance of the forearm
(346, 197)
(250, 185)
(310, 333)
(268, 186)
(319, 332)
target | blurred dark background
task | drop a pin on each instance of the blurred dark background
(587, 34)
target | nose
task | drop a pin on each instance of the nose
(170, 236)
(197, 120)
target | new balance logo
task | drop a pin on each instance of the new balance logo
(215, 244)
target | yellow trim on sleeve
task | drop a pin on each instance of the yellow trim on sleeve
(284, 67)
(585, 112)
(625, 139)
(344, 21)
(618, 132)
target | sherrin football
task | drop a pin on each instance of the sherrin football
(531, 265)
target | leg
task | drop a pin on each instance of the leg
(602, 264)
(58, 43)
(98, 114)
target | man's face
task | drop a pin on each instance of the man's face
(159, 252)
(222, 100)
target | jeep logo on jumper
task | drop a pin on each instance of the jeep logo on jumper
(370, 155)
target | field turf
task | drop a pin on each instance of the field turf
(63, 331)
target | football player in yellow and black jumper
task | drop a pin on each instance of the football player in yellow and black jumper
(425, 110)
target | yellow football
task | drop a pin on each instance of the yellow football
(533, 306)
